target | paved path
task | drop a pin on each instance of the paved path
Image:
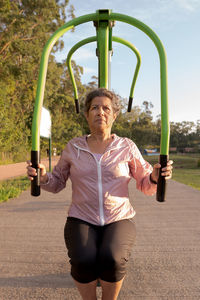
(165, 263)
(19, 169)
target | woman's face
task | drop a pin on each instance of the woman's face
(100, 116)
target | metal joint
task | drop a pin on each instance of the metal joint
(103, 17)
(108, 23)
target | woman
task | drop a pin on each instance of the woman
(100, 230)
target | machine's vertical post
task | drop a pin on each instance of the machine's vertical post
(102, 46)
(102, 28)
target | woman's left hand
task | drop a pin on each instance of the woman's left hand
(166, 172)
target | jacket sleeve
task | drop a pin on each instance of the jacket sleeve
(57, 179)
(141, 170)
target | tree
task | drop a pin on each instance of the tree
(25, 26)
(182, 134)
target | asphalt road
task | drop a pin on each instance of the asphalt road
(165, 262)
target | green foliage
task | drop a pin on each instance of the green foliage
(25, 28)
(138, 126)
(13, 188)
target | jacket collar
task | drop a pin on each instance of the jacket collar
(81, 142)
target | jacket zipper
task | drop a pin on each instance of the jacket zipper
(100, 188)
(101, 211)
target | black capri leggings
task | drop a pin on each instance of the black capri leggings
(99, 252)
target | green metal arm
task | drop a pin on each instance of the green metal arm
(164, 147)
(94, 39)
(35, 152)
(165, 129)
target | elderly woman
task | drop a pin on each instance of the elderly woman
(100, 230)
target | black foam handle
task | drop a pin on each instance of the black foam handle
(77, 106)
(130, 104)
(35, 183)
(161, 186)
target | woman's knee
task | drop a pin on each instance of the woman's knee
(115, 250)
(112, 266)
(83, 269)
(114, 259)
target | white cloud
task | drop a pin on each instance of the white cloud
(80, 55)
(188, 5)
(89, 70)
(83, 54)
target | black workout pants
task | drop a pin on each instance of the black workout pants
(99, 251)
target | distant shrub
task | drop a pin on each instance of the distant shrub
(198, 163)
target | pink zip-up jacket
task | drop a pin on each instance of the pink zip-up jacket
(100, 187)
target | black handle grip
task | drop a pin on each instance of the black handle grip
(35, 183)
(77, 106)
(130, 104)
(161, 186)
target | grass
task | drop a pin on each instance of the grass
(186, 168)
(12, 188)
(5, 162)
(188, 176)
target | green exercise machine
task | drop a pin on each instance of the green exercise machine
(103, 20)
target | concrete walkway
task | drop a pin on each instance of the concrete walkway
(165, 262)
(19, 169)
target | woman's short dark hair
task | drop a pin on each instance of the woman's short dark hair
(102, 92)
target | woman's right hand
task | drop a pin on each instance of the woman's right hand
(31, 172)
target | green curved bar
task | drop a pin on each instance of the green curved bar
(94, 39)
(43, 71)
(137, 53)
(164, 146)
(69, 56)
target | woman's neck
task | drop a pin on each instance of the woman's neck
(98, 143)
(100, 136)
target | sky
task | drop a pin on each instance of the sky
(177, 24)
